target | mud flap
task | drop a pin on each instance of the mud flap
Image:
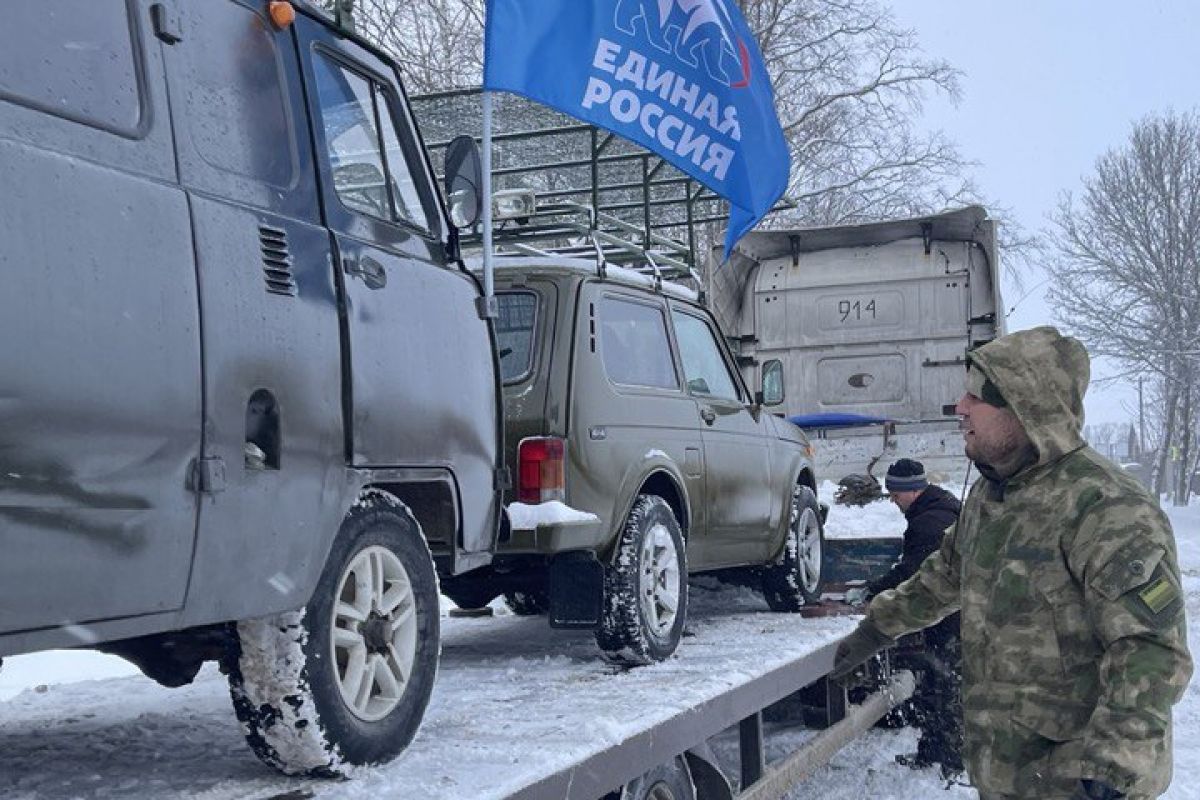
(576, 590)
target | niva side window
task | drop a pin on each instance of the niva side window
(705, 368)
(634, 345)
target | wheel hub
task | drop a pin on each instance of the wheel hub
(660, 580)
(376, 631)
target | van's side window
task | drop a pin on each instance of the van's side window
(703, 366)
(370, 172)
(634, 345)
(95, 72)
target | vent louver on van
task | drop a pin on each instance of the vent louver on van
(277, 261)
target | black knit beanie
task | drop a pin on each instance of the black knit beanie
(982, 387)
(906, 475)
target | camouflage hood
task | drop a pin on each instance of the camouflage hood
(1043, 376)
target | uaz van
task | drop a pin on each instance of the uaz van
(229, 281)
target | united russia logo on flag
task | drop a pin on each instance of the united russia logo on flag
(683, 78)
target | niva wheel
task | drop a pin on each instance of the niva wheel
(527, 603)
(795, 578)
(345, 681)
(645, 587)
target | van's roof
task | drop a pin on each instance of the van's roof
(586, 267)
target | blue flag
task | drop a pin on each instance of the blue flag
(682, 78)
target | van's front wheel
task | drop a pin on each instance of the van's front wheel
(345, 681)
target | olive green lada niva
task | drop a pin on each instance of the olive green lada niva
(640, 457)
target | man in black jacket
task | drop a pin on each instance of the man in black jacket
(936, 704)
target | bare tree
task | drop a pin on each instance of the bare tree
(437, 43)
(849, 83)
(1105, 436)
(1126, 277)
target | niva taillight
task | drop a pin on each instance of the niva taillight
(540, 469)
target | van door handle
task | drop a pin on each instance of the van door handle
(371, 271)
(708, 415)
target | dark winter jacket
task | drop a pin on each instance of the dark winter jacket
(928, 517)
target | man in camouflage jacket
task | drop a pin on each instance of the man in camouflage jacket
(1064, 568)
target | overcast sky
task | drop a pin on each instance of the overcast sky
(1049, 86)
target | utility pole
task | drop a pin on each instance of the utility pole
(1141, 421)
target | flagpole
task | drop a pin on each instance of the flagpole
(488, 275)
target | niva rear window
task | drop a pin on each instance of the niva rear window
(514, 334)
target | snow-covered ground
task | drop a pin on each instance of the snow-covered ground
(74, 725)
(881, 518)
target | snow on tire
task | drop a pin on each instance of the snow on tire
(795, 578)
(645, 587)
(345, 681)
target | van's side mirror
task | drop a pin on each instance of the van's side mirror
(772, 383)
(464, 181)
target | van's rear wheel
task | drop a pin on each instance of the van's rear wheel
(795, 578)
(345, 681)
(645, 587)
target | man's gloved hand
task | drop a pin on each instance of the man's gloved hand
(857, 596)
(864, 642)
(1088, 789)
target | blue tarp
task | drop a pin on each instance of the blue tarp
(836, 420)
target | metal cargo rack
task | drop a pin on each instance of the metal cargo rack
(592, 192)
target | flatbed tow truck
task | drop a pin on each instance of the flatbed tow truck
(519, 711)
(600, 728)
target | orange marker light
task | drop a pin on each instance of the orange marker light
(282, 13)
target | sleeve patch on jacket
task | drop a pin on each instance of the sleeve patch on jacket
(1158, 595)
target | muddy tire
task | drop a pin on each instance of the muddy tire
(645, 587)
(794, 580)
(345, 681)
(527, 603)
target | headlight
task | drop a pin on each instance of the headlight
(513, 204)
